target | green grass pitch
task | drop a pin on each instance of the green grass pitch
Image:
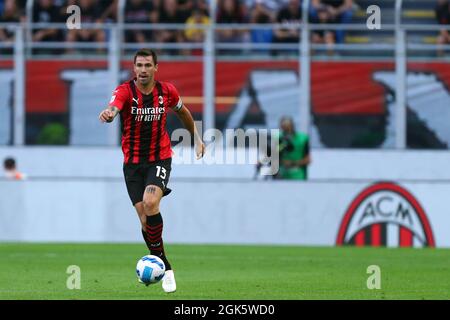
(38, 271)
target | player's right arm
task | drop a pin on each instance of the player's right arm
(116, 104)
(109, 114)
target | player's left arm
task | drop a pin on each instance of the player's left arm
(176, 104)
(188, 121)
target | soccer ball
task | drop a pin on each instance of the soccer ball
(150, 269)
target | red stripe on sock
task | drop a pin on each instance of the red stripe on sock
(155, 225)
(154, 234)
(153, 228)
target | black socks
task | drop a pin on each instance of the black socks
(153, 237)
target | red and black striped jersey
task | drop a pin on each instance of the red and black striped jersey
(143, 120)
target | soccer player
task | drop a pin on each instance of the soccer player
(142, 104)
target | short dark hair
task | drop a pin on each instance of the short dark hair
(146, 53)
(9, 163)
(290, 120)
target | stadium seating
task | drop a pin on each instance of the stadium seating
(414, 12)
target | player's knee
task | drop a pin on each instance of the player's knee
(151, 203)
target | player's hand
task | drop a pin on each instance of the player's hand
(200, 150)
(106, 116)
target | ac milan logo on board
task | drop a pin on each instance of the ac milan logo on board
(385, 214)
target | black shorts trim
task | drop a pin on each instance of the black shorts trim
(139, 176)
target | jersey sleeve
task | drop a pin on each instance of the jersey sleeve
(119, 97)
(175, 102)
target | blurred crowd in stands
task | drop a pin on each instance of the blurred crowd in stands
(191, 12)
(443, 16)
